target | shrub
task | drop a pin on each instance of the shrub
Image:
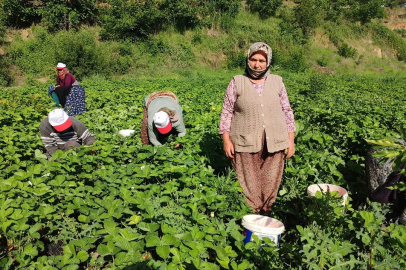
(309, 14)
(19, 13)
(55, 14)
(236, 59)
(131, 20)
(33, 54)
(323, 61)
(382, 35)
(265, 8)
(366, 10)
(80, 51)
(293, 59)
(6, 77)
(347, 51)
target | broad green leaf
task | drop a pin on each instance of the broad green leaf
(250, 245)
(128, 235)
(103, 250)
(21, 225)
(224, 264)
(176, 255)
(83, 218)
(69, 249)
(123, 244)
(244, 265)
(30, 250)
(170, 240)
(34, 228)
(163, 251)
(110, 226)
(237, 235)
(221, 254)
(152, 241)
(16, 214)
(149, 227)
(108, 249)
(368, 217)
(39, 154)
(122, 258)
(71, 267)
(6, 224)
(134, 220)
(47, 209)
(82, 255)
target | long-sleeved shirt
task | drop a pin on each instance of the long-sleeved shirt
(231, 97)
(154, 106)
(54, 140)
(68, 81)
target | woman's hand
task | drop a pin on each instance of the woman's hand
(228, 146)
(290, 151)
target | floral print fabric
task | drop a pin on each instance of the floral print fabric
(259, 175)
(75, 101)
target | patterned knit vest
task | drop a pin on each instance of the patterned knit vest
(255, 113)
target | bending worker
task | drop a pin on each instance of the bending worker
(162, 117)
(60, 131)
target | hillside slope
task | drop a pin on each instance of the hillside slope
(332, 47)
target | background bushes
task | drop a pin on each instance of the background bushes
(80, 51)
(55, 14)
(159, 35)
(384, 36)
(133, 20)
(265, 8)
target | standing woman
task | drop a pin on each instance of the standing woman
(67, 93)
(257, 127)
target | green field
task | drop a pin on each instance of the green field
(139, 207)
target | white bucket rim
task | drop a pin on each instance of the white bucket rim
(312, 189)
(252, 226)
(342, 192)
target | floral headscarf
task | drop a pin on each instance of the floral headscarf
(258, 74)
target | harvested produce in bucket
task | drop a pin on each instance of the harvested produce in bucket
(262, 227)
(342, 192)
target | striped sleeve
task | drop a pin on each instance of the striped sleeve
(48, 141)
(84, 134)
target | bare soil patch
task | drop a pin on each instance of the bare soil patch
(396, 18)
(42, 80)
(324, 70)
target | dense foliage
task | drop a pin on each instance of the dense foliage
(127, 36)
(141, 207)
(122, 18)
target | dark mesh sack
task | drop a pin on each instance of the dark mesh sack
(376, 172)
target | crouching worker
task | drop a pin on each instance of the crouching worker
(162, 117)
(67, 93)
(385, 194)
(60, 131)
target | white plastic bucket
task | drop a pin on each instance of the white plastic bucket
(262, 227)
(342, 192)
(126, 132)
